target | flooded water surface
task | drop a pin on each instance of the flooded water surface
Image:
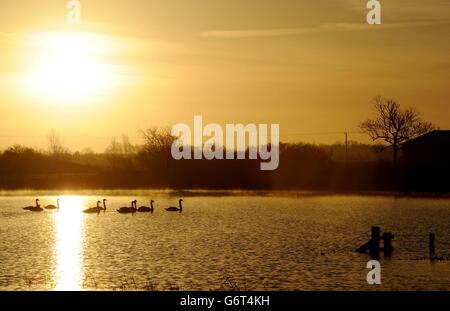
(237, 241)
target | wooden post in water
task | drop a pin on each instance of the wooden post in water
(375, 241)
(373, 245)
(431, 244)
(387, 237)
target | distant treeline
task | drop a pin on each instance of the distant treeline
(359, 167)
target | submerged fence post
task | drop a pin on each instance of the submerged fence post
(431, 244)
(373, 245)
(375, 241)
(387, 237)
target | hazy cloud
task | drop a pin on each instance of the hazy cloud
(337, 27)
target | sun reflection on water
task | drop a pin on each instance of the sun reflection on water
(68, 244)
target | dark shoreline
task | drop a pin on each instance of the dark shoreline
(220, 192)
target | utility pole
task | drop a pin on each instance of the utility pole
(346, 147)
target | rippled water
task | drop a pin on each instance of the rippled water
(253, 242)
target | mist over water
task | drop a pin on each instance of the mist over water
(268, 241)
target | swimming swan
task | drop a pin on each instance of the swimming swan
(95, 209)
(146, 209)
(128, 210)
(176, 209)
(36, 208)
(104, 205)
(51, 206)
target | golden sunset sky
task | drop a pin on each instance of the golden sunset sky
(311, 66)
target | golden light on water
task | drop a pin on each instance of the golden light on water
(68, 244)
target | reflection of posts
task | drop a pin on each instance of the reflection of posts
(373, 245)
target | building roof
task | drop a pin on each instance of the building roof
(434, 137)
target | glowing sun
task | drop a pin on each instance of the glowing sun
(67, 67)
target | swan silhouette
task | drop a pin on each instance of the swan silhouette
(146, 209)
(36, 208)
(176, 209)
(31, 206)
(104, 205)
(94, 210)
(128, 210)
(51, 206)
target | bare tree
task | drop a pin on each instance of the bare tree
(56, 147)
(114, 148)
(394, 125)
(158, 139)
(127, 147)
(156, 149)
